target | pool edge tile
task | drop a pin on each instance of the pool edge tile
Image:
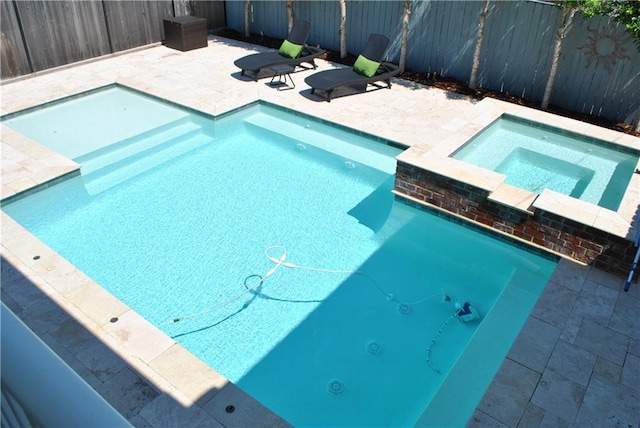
(188, 374)
(139, 336)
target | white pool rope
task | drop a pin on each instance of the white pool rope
(389, 296)
(282, 262)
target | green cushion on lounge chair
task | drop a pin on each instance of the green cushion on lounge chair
(290, 50)
(365, 66)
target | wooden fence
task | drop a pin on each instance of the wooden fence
(599, 68)
(42, 34)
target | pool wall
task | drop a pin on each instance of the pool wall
(549, 221)
(547, 230)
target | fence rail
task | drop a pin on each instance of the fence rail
(598, 72)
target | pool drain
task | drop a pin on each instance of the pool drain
(350, 165)
(336, 386)
(404, 309)
(375, 348)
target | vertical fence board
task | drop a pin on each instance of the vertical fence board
(212, 10)
(357, 21)
(136, 23)
(324, 19)
(461, 39)
(418, 37)
(181, 7)
(58, 33)
(14, 61)
(234, 11)
(270, 18)
(531, 48)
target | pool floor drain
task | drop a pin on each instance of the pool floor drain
(375, 348)
(404, 309)
(336, 387)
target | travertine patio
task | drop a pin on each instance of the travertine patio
(575, 363)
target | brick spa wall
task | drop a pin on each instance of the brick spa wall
(562, 236)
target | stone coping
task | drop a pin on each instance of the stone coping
(434, 156)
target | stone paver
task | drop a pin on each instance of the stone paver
(603, 342)
(572, 362)
(607, 403)
(575, 363)
(514, 381)
(535, 335)
(558, 395)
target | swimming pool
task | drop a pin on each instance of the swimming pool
(346, 331)
(535, 157)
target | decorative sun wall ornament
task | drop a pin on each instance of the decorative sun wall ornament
(605, 48)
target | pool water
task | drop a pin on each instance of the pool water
(270, 246)
(78, 125)
(536, 157)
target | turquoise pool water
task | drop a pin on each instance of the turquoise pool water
(270, 246)
(79, 125)
(536, 157)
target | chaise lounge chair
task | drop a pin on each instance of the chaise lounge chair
(293, 52)
(367, 69)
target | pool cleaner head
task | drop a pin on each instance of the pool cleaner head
(467, 312)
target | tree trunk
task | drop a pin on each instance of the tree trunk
(247, 20)
(405, 34)
(343, 28)
(476, 54)
(567, 17)
(290, 15)
(638, 123)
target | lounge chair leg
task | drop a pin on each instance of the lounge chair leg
(329, 95)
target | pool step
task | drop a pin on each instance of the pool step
(379, 156)
(124, 169)
(136, 145)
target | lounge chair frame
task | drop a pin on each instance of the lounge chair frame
(329, 80)
(355, 80)
(253, 64)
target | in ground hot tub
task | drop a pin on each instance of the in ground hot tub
(560, 185)
(535, 156)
